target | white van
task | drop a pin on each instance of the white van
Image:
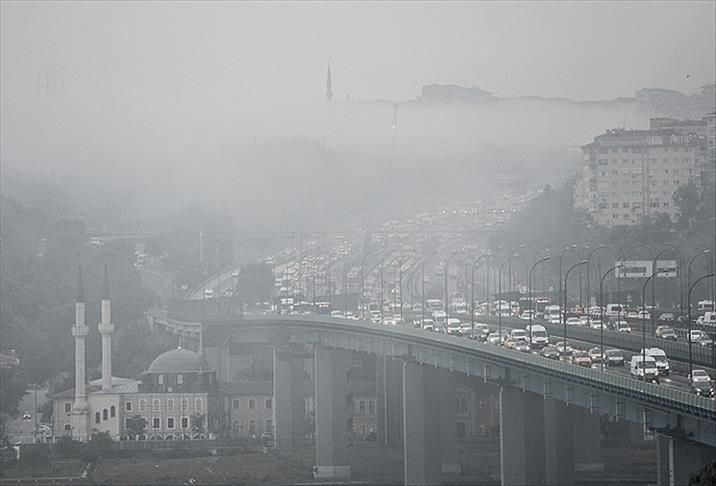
(540, 338)
(708, 319)
(439, 317)
(519, 335)
(662, 363)
(640, 367)
(552, 314)
(453, 327)
(615, 310)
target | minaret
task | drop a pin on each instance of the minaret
(106, 328)
(329, 85)
(80, 410)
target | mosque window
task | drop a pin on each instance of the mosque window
(68, 407)
(128, 406)
(197, 404)
(105, 414)
(112, 411)
(155, 405)
(96, 417)
(142, 405)
(184, 404)
(170, 405)
(160, 379)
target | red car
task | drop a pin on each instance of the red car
(581, 358)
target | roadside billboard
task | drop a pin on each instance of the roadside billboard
(643, 269)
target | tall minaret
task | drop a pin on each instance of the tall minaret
(329, 85)
(106, 328)
(80, 410)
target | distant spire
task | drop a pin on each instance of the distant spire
(80, 289)
(329, 85)
(105, 295)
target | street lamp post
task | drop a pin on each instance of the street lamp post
(601, 311)
(688, 278)
(643, 327)
(499, 292)
(561, 255)
(472, 293)
(691, 361)
(564, 315)
(589, 298)
(422, 293)
(654, 270)
(447, 296)
(362, 285)
(529, 288)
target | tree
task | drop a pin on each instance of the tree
(101, 442)
(197, 422)
(12, 391)
(136, 425)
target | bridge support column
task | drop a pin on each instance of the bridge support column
(422, 448)
(587, 441)
(331, 414)
(558, 443)
(448, 427)
(677, 459)
(522, 437)
(389, 400)
(289, 396)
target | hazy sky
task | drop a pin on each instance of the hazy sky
(278, 51)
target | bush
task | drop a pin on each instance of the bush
(35, 454)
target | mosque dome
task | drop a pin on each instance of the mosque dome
(179, 360)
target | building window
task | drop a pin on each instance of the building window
(105, 414)
(184, 404)
(235, 403)
(128, 406)
(96, 417)
(269, 426)
(142, 405)
(361, 407)
(197, 404)
(68, 407)
(67, 427)
(184, 422)
(252, 427)
(160, 379)
(252, 404)
(112, 411)
(155, 405)
(180, 379)
(170, 422)
(268, 403)
(371, 407)
(170, 405)
(156, 423)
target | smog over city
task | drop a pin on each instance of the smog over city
(376, 242)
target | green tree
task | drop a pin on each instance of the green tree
(13, 389)
(136, 425)
(197, 422)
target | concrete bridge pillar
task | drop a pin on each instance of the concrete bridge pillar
(332, 414)
(448, 419)
(289, 389)
(422, 447)
(558, 443)
(389, 407)
(677, 459)
(522, 435)
(587, 441)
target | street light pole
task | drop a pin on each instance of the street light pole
(589, 298)
(601, 310)
(688, 278)
(529, 288)
(362, 285)
(691, 361)
(561, 255)
(643, 327)
(472, 294)
(499, 292)
(564, 315)
(447, 296)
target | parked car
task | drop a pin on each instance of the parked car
(701, 383)
(613, 357)
(665, 332)
(550, 352)
(581, 358)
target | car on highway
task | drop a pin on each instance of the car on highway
(699, 337)
(667, 317)
(595, 354)
(26, 415)
(527, 314)
(208, 293)
(644, 368)
(643, 315)
(573, 321)
(538, 338)
(519, 334)
(480, 333)
(495, 338)
(621, 326)
(563, 349)
(453, 327)
(701, 383)
(665, 332)
(613, 357)
(662, 363)
(581, 358)
(550, 352)
(597, 324)
(584, 320)
(517, 345)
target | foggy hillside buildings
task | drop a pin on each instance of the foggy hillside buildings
(626, 175)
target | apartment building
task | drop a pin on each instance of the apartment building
(627, 175)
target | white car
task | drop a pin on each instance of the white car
(573, 321)
(622, 326)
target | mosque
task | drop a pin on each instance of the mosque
(177, 392)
